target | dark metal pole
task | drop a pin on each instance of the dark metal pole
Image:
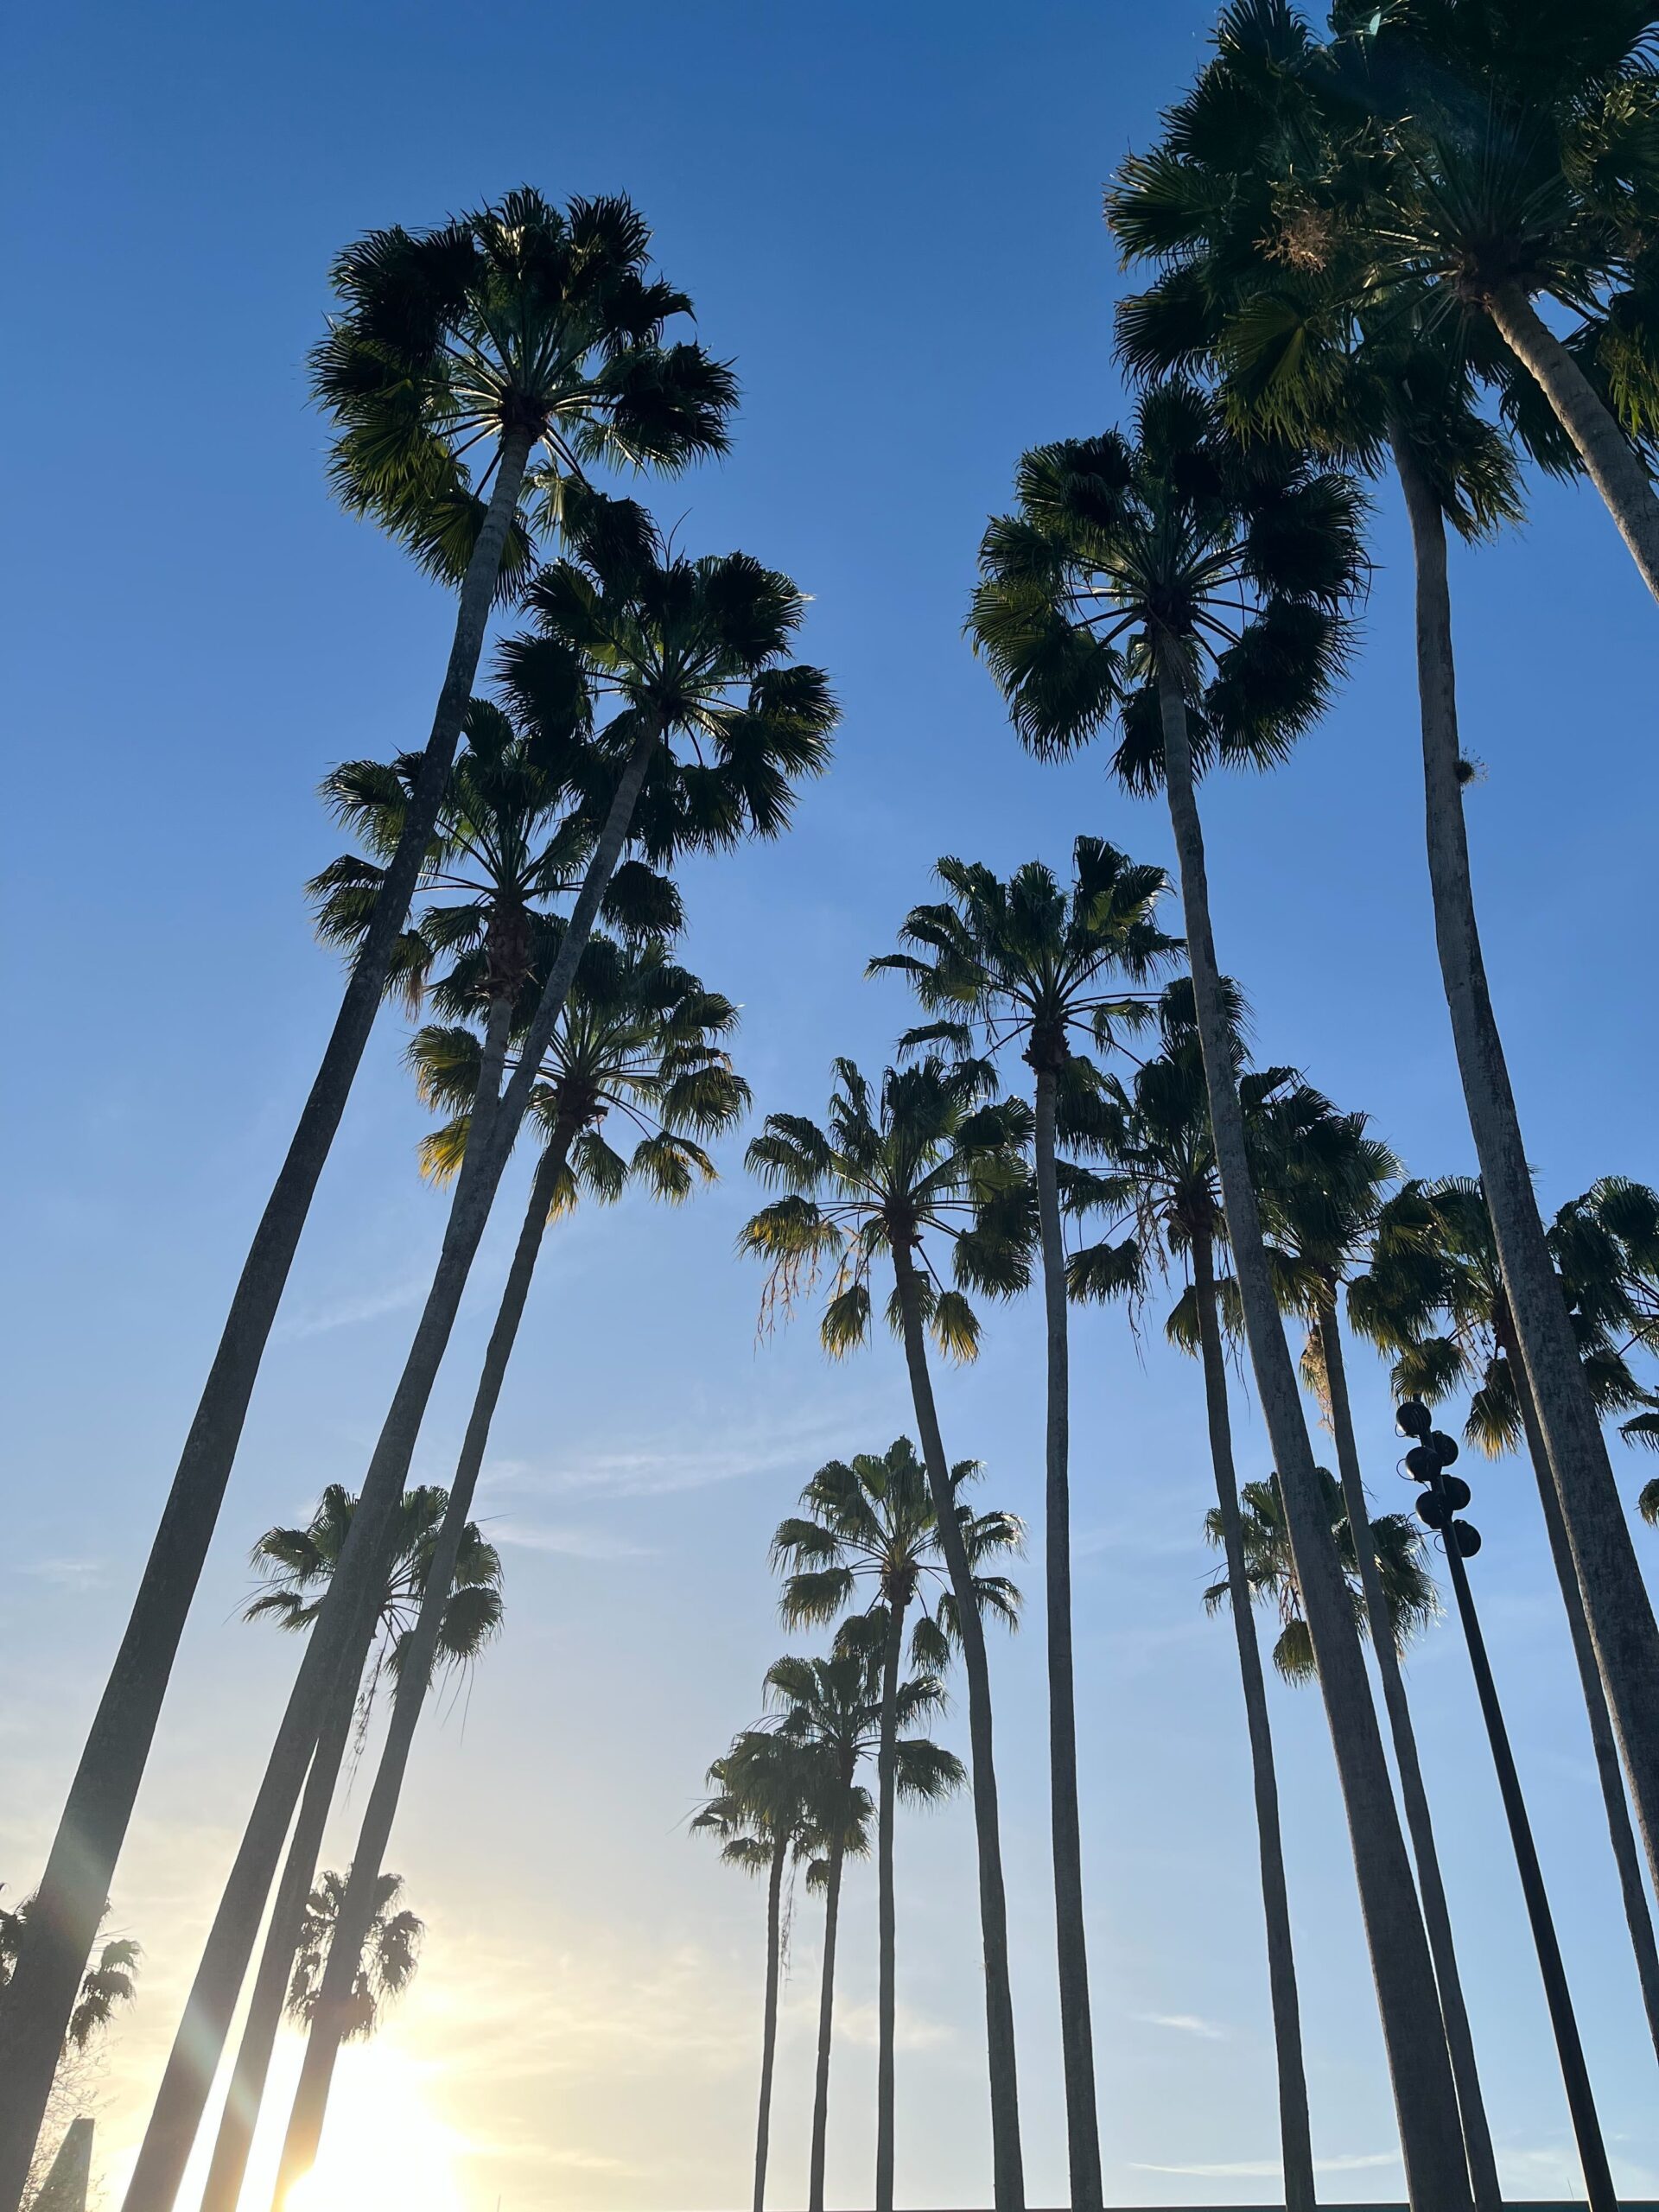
(1428, 1462)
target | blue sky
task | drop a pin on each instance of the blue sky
(889, 219)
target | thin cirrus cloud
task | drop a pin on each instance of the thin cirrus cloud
(656, 1471)
(1268, 2169)
(1187, 2023)
(347, 1312)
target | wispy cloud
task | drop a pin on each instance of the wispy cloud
(345, 1312)
(656, 1471)
(63, 1573)
(911, 2031)
(1268, 2169)
(569, 1543)
(1187, 2024)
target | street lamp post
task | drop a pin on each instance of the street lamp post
(1443, 1498)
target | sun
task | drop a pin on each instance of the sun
(384, 2148)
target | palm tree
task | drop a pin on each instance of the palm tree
(297, 1565)
(868, 1526)
(1191, 587)
(110, 1980)
(836, 1706)
(1330, 1190)
(1027, 963)
(386, 1962)
(695, 652)
(1507, 156)
(1160, 1183)
(1434, 1297)
(766, 1789)
(639, 1038)
(924, 1156)
(1261, 287)
(504, 845)
(522, 327)
(1394, 1540)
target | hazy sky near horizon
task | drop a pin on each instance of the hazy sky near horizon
(889, 219)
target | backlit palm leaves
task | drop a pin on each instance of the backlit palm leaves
(1395, 1538)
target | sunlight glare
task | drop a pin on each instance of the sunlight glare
(383, 2146)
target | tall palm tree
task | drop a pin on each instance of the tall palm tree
(922, 1157)
(1029, 964)
(63, 2151)
(1332, 1185)
(1265, 289)
(1190, 588)
(836, 1706)
(868, 1528)
(109, 1977)
(639, 1038)
(521, 328)
(1159, 1182)
(296, 1565)
(1395, 1543)
(386, 1962)
(1434, 1297)
(766, 1795)
(1506, 155)
(694, 654)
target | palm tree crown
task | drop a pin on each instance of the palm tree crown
(297, 1565)
(1401, 1561)
(1028, 962)
(520, 328)
(870, 1521)
(1229, 565)
(690, 657)
(639, 1041)
(925, 1154)
(390, 1955)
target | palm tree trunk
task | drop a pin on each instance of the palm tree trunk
(1437, 2179)
(1616, 1600)
(1461, 2042)
(230, 2161)
(1610, 461)
(200, 2040)
(1008, 2189)
(1076, 2033)
(76, 1887)
(332, 2016)
(887, 2007)
(769, 2024)
(826, 2021)
(1295, 2130)
(1620, 1834)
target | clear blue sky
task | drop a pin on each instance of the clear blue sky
(889, 218)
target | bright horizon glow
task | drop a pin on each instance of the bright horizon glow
(382, 2144)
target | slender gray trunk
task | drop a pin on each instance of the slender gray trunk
(1431, 2137)
(343, 1633)
(826, 2023)
(1626, 1855)
(1076, 2033)
(886, 1768)
(76, 1887)
(1610, 461)
(1295, 2130)
(1461, 2042)
(241, 2114)
(332, 2016)
(1616, 1604)
(1009, 2183)
(769, 2023)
